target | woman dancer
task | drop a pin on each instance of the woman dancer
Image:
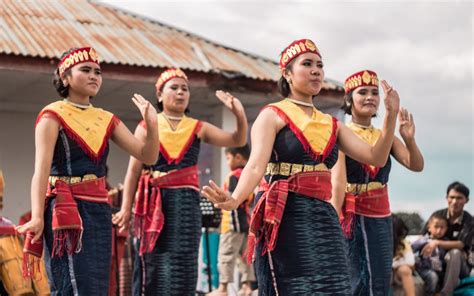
(294, 145)
(72, 144)
(365, 187)
(167, 212)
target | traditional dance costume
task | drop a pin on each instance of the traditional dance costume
(77, 218)
(167, 214)
(300, 248)
(367, 218)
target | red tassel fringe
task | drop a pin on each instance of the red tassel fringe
(31, 265)
(347, 224)
(66, 240)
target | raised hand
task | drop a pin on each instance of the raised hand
(220, 198)
(391, 100)
(230, 102)
(147, 110)
(407, 125)
(34, 225)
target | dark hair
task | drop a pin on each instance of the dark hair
(459, 187)
(347, 105)
(400, 231)
(438, 216)
(244, 151)
(283, 85)
(62, 90)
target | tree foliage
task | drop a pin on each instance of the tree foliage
(413, 221)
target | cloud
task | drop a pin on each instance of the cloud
(423, 47)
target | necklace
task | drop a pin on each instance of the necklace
(78, 105)
(361, 126)
(177, 118)
(301, 103)
(174, 118)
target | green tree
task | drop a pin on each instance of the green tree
(413, 221)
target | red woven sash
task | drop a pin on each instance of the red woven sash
(268, 212)
(373, 203)
(67, 223)
(149, 217)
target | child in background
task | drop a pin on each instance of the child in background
(403, 258)
(430, 268)
(234, 229)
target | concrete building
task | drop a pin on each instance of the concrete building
(133, 51)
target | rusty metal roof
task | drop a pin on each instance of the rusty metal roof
(45, 28)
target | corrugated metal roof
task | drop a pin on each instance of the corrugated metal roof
(45, 28)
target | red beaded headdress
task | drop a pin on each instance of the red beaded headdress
(362, 78)
(295, 49)
(80, 55)
(168, 75)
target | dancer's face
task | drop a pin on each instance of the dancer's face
(84, 79)
(366, 101)
(175, 95)
(307, 74)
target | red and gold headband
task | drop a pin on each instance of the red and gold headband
(362, 78)
(295, 49)
(168, 75)
(77, 56)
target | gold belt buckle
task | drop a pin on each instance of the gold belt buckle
(71, 179)
(157, 174)
(362, 188)
(287, 169)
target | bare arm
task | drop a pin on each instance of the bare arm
(339, 181)
(146, 151)
(216, 136)
(447, 245)
(46, 135)
(408, 155)
(263, 135)
(378, 154)
(122, 218)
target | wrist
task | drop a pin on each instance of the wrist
(37, 217)
(409, 141)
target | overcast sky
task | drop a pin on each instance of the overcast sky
(423, 48)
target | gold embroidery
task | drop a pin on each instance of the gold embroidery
(317, 130)
(91, 124)
(285, 168)
(71, 180)
(288, 169)
(296, 168)
(174, 141)
(299, 47)
(361, 188)
(79, 56)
